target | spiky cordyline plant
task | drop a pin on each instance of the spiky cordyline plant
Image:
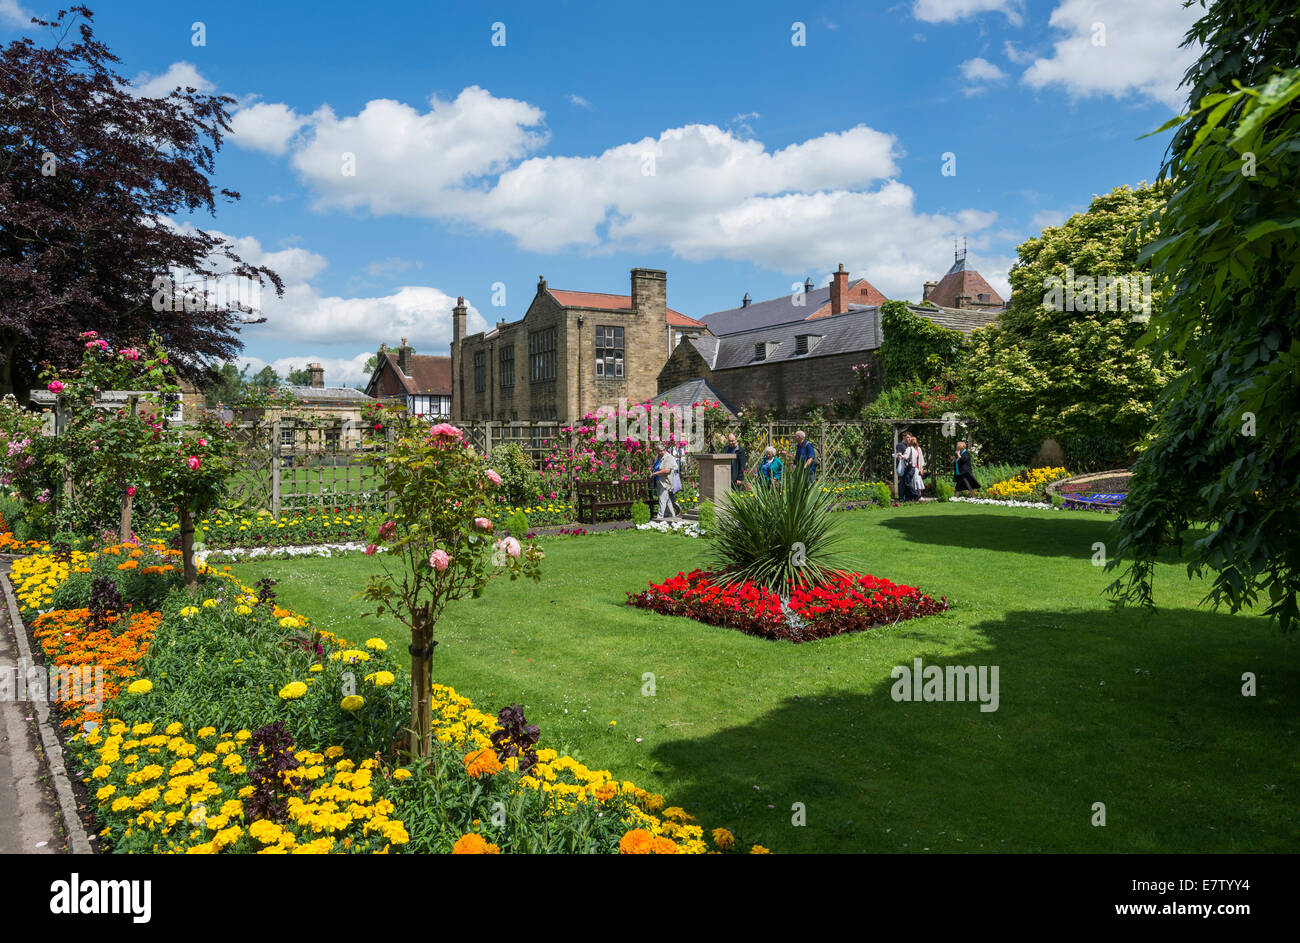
(776, 535)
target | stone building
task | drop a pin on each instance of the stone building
(785, 367)
(321, 418)
(571, 352)
(422, 381)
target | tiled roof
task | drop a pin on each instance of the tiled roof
(430, 374)
(604, 302)
(326, 394)
(964, 320)
(961, 280)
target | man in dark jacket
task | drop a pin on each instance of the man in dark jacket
(738, 463)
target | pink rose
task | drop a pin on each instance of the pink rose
(90, 333)
(203, 443)
(445, 428)
(510, 546)
(55, 386)
(193, 462)
(386, 529)
(493, 477)
(482, 523)
(131, 490)
(370, 551)
(439, 559)
(131, 354)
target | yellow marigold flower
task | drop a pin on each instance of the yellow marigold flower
(333, 752)
(376, 645)
(188, 611)
(268, 833)
(315, 668)
(205, 732)
(140, 686)
(383, 678)
(292, 691)
(473, 843)
(759, 850)
(209, 604)
(174, 728)
(101, 772)
(353, 702)
(243, 610)
(105, 792)
(289, 622)
(723, 838)
(398, 774)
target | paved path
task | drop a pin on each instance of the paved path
(30, 822)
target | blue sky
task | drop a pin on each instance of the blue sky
(693, 137)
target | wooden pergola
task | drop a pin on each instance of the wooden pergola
(910, 425)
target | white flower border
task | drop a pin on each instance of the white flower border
(685, 528)
(1007, 504)
(240, 554)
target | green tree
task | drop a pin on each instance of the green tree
(1226, 452)
(298, 376)
(1063, 360)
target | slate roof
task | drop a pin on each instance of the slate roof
(766, 313)
(840, 334)
(697, 390)
(857, 329)
(604, 302)
(326, 394)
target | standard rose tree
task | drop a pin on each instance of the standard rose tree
(438, 542)
(108, 455)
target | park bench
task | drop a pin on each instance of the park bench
(1108, 502)
(596, 496)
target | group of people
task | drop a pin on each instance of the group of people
(667, 478)
(911, 469)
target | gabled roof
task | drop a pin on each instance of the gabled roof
(780, 310)
(961, 280)
(964, 320)
(604, 302)
(696, 390)
(430, 374)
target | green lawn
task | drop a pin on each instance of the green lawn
(1094, 706)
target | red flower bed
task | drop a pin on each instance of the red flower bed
(851, 602)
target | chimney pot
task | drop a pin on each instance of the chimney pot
(744, 302)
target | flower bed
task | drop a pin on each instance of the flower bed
(263, 530)
(851, 602)
(230, 725)
(1029, 485)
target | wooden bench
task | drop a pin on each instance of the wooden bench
(596, 496)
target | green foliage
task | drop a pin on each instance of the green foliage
(708, 515)
(1227, 444)
(640, 513)
(1039, 372)
(915, 348)
(520, 482)
(944, 489)
(517, 523)
(776, 536)
(884, 497)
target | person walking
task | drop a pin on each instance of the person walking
(771, 469)
(668, 482)
(963, 477)
(909, 469)
(917, 461)
(738, 463)
(805, 457)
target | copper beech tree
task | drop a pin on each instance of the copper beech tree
(438, 542)
(92, 174)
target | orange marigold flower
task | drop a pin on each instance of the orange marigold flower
(480, 762)
(636, 842)
(128, 565)
(474, 844)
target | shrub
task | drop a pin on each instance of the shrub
(883, 496)
(521, 483)
(775, 537)
(944, 489)
(517, 523)
(640, 513)
(708, 515)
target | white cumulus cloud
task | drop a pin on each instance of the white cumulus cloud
(178, 75)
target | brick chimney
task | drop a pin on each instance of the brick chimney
(316, 373)
(928, 289)
(404, 357)
(839, 291)
(650, 292)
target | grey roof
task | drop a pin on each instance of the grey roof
(840, 334)
(694, 391)
(766, 313)
(855, 330)
(326, 394)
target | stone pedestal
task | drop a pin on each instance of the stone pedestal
(715, 476)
